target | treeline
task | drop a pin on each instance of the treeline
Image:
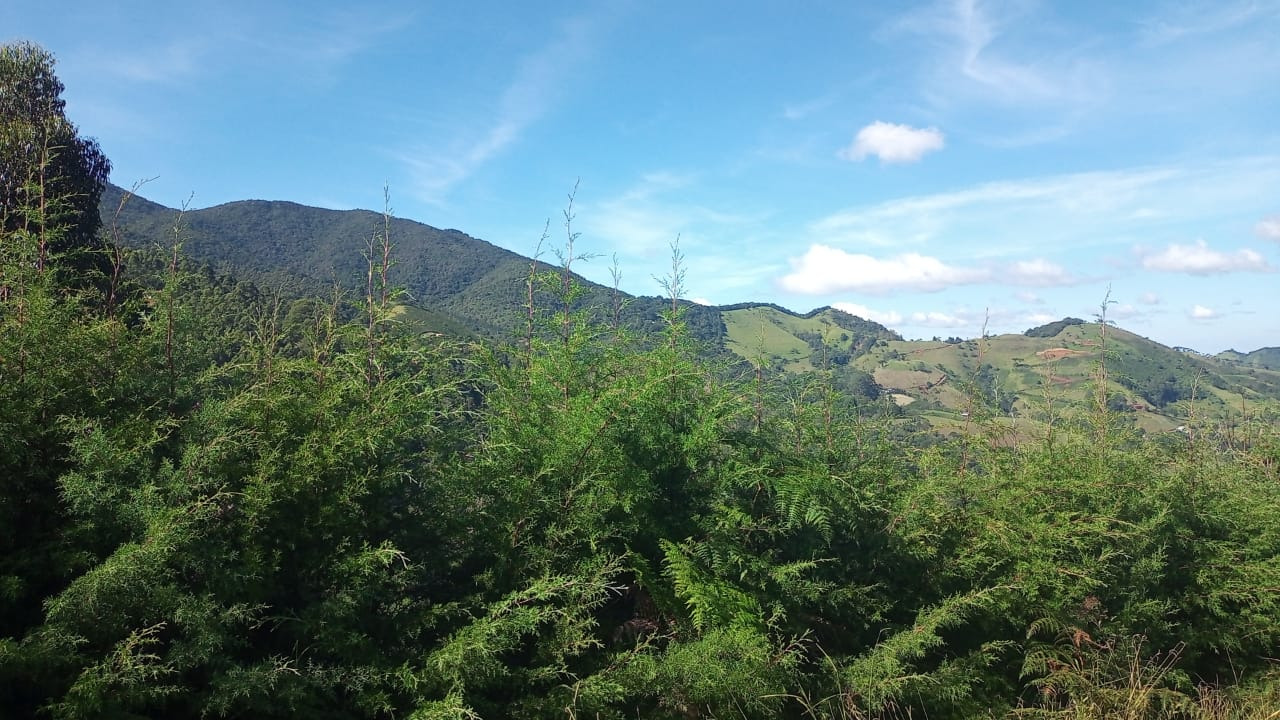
(216, 504)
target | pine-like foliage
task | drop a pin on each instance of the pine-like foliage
(216, 503)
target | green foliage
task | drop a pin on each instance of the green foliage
(1049, 330)
(50, 177)
(216, 502)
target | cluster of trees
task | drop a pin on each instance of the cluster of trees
(216, 504)
(1052, 329)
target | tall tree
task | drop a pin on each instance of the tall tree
(51, 178)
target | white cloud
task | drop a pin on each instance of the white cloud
(1269, 228)
(1037, 273)
(1149, 298)
(975, 321)
(1199, 259)
(893, 143)
(1041, 318)
(939, 320)
(701, 301)
(1200, 312)
(1124, 311)
(890, 317)
(825, 269)
(1029, 298)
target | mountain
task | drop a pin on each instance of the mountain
(458, 284)
(306, 251)
(451, 280)
(1267, 358)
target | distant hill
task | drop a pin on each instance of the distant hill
(794, 342)
(1053, 329)
(459, 284)
(1267, 358)
(1026, 377)
(451, 279)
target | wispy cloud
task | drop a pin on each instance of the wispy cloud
(302, 45)
(171, 62)
(975, 31)
(987, 51)
(802, 110)
(893, 143)
(647, 217)
(540, 80)
(1200, 259)
(640, 223)
(1180, 21)
(1059, 213)
(1269, 228)
(321, 41)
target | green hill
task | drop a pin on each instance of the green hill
(457, 284)
(1025, 378)
(795, 343)
(451, 280)
(1267, 358)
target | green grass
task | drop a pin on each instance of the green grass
(762, 332)
(767, 333)
(1032, 374)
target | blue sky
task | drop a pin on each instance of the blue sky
(933, 166)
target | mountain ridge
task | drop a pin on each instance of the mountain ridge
(453, 280)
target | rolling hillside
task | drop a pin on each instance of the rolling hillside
(1267, 358)
(797, 343)
(459, 284)
(1031, 378)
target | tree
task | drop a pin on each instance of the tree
(51, 178)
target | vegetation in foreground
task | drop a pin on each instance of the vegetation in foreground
(213, 504)
(466, 288)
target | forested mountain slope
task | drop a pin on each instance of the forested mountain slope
(450, 277)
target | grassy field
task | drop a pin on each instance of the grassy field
(1030, 381)
(765, 332)
(1033, 378)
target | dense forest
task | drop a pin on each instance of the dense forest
(218, 501)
